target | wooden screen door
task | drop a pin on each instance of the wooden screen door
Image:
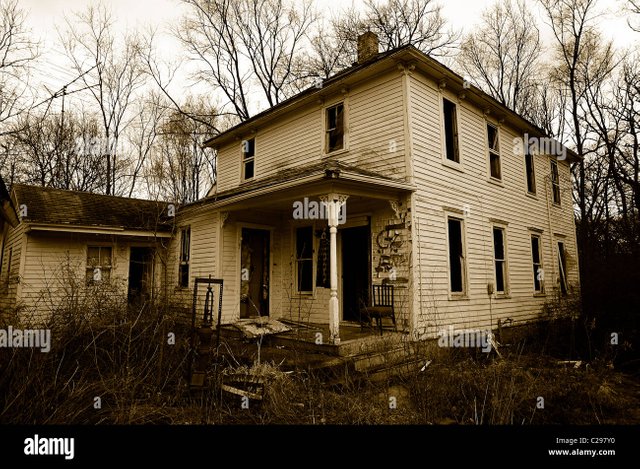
(254, 273)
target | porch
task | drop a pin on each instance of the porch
(309, 247)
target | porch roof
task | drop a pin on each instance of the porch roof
(331, 176)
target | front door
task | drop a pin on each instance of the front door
(356, 255)
(254, 273)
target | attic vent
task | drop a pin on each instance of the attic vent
(367, 46)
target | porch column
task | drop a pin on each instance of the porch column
(333, 203)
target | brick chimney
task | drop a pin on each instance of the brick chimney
(367, 46)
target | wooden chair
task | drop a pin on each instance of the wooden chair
(382, 306)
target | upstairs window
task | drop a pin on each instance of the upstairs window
(531, 174)
(185, 247)
(248, 158)
(335, 128)
(98, 264)
(555, 182)
(304, 259)
(451, 130)
(494, 151)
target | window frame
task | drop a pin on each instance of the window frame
(297, 260)
(504, 261)
(539, 264)
(89, 280)
(184, 263)
(494, 152)
(555, 182)
(455, 124)
(463, 294)
(328, 130)
(244, 160)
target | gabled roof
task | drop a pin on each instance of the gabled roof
(7, 210)
(408, 55)
(44, 205)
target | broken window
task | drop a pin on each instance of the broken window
(335, 128)
(456, 256)
(98, 264)
(494, 151)
(555, 182)
(451, 130)
(562, 268)
(531, 175)
(500, 261)
(248, 158)
(185, 247)
(536, 257)
(304, 259)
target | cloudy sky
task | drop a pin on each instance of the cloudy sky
(46, 15)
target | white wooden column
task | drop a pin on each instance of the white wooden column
(333, 204)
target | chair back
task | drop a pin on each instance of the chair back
(382, 295)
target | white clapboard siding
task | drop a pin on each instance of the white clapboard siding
(374, 127)
(470, 188)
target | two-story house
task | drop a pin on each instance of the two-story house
(393, 171)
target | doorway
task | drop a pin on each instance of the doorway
(254, 273)
(356, 270)
(140, 274)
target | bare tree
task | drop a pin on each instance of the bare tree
(142, 135)
(181, 170)
(634, 8)
(503, 55)
(241, 46)
(395, 22)
(115, 75)
(18, 50)
(59, 153)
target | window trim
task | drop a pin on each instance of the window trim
(187, 262)
(443, 131)
(294, 233)
(464, 294)
(538, 236)
(491, 152)
(244, 161)
(555, 185)
(325, 128)
(505, 261)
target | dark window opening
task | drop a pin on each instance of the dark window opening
(494, 151)
(335, 128)
(248, 158)
(555, 182)
(500, 260)
(456, 256)
(562, 268)
(185, 245)
(304, 259)
(451, 130)
(538, 273)
(531, 175)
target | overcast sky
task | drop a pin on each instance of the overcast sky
(45, 15)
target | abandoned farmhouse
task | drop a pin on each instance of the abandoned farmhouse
(394, 176)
